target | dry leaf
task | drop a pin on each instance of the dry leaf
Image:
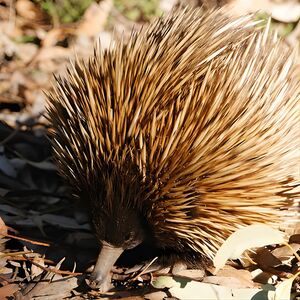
(55, 52)
(3, 227)
(155, 296)
(28, 10)
(283, 290)
(58, 288)
(286, 11)
(188, 289)
(244, 239)
(230, 282)
(192, 274)
(26, 52)
(285, 254)
(294, 239)
(265, 259)
(94, 18)
(233, 278)
(53, 36)
(263, 277)
(35, 270)
(7, 291)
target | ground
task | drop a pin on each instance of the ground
(46, 246)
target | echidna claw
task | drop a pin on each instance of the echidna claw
(100, 284)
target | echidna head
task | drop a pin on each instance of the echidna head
(117, 229)
(119, 226)
(117, 219)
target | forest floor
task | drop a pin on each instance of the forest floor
(46, 246)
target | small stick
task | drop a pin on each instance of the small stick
(51, 270)
(25, 240)
(144, 270)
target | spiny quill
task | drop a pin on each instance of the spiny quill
(186, 132)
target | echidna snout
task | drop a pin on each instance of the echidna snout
(101, 278)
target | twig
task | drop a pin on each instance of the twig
(144, 270)
(26, 240)
(12, 254)
(21, 258)
(51, 270)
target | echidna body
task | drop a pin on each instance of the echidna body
(181, 135)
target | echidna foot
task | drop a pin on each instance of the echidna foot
(103, 284)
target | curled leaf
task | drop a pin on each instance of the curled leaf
(252, 236)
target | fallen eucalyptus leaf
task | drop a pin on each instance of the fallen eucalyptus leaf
(283, 290)
(252, 236)
(188, 289)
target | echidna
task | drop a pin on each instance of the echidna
(180, 135)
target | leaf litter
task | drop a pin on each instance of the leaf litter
(46, 245)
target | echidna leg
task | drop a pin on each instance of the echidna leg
(101, 276)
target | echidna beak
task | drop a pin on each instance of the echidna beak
(101, 277)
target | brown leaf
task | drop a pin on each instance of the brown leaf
(35, 270)
(3, 227)
(284, 253)
(263, 277)
(53, 59)
(8, 290)
(192, 274)
(26, 52)
(58, 288)
(156, 295)
(295, 239)
(232, 277)
(53, 36)
(265, 259)
(94, 18)
(29, 11)
(53, 53)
